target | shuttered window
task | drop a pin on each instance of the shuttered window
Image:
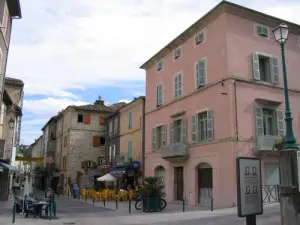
(87, 119)
(202, 126)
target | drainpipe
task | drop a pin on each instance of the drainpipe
(61, 145)
(143, 140)
(236, 118)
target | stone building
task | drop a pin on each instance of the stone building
(80, 141)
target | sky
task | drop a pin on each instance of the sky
(69, 52)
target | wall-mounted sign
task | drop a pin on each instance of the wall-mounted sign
(249, 192)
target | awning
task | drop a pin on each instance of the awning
(9, 167)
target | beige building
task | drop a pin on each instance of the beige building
(80, 140)
(132, 130)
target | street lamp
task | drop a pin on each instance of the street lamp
(281, 33)
(11, 123)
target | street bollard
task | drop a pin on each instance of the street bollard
(129, 205)
(183, 205)
(211, 204)
(104, 201)
(117, 206)
(85, 197)
(14, 213)
(93, 200)
(50, 209)
(54, 206)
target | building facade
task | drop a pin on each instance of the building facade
(80, 142)
(216, 93)
(131, 139)
(49, 152)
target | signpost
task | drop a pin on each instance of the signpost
(249, 192)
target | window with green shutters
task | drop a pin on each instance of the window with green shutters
(178, 85)
(201, 73)
(268, 122)
(130, 120)
(159, 137)
(159, 95)
(265, 68)
(262, 30)
(202, 126)
(178, 131)
(129, 150)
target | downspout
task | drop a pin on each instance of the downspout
(143, 140)
(236, 112)
(61, 147)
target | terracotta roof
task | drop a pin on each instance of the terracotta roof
(118, 106)
(97, 108)
(14, 81)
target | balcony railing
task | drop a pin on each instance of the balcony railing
(175, 150)
(265, 143)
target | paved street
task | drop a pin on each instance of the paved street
(78, 212)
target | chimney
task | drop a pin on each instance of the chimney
(99, 101)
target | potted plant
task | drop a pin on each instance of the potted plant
(279, 144)
(151, 194)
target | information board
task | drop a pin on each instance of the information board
(249, 190)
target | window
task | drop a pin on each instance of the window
(159, 137)
(262, 30)
(101, 120)
(177, 53)
(112, 152)
(129, 150)
(199, 38)
(87, 119)
(116, 125)
(201, 73)
(80, 118)
(130, 120)
(159, 65)
(202, 126)
(178, 85)
(178, 131)
(65, 141)
(159, 95)
(265, 68)
(102, 141)
(110, 127)
(268, 122)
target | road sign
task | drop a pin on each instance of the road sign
(249, 192)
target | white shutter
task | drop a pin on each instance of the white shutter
(171, 133)
(280, 129)
(164, 135)
(183, 131)
(210, 125)
(259, 123)
(153, 138)
(201, 73)
(274, 71)
(194, 129)
(255, 66)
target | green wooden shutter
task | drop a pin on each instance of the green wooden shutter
(274, 71)
(159, 95)
(280, 129)
(210, 125)
(171, 133)
(130, 119)
(259, 123)
(194, 129)
(164, 135)
(153, 138)
(183, 130)
(201, 73)
(255, 65)
(129, 150)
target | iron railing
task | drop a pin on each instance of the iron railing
(175, 150)
(270, 193)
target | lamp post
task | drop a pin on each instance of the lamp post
(289, 171)
(281, 33)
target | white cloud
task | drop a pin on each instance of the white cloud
(48, 107)
(125, 100)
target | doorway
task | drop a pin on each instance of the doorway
(205, 184)
(178, 183)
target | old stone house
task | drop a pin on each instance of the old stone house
(80, 141)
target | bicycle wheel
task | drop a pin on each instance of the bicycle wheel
(163, 203)
(139, 205)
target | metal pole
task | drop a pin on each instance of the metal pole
(129, 205)
(117, 206)
(14, 213)
(290, 140)
(211, 204)
(183, 205)
(251, 220)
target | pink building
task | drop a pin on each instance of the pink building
(215, 93)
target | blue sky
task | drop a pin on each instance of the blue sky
(68, 52)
